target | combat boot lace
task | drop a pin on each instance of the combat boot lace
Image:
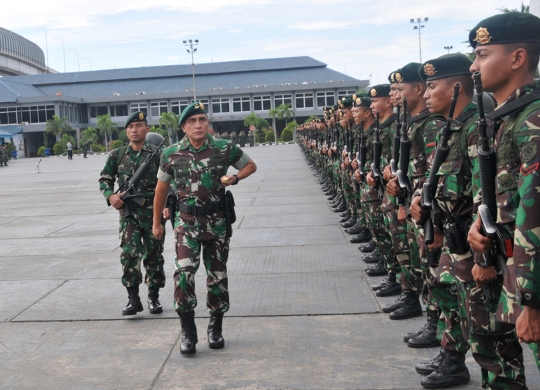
(215, 336)
(134, 304)
(153, 301)
(428, 337)
(391, 287)
(427, 368)
(451, 372)
(189, 333)
(411, 307)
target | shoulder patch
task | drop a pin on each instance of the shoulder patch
(528, 151)
(431, 135)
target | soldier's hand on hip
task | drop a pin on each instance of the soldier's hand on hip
(476, 239)
(116, 201)
(157, 231)
(417, 212)
(483, 275)
(528, 325)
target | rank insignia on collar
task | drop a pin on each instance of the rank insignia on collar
(373, 92)
(399, 79)
(429, 69)
(482, 36)
(141, 116)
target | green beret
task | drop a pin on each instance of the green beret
(511, 27)
(362, 101)
(193, 109)
(392, 77)
(409, 73)
(138, 116)
(345, 102)
(381, 90)
(448, 65)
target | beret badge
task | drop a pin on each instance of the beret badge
(482, 36)
(354, 97)
(398, 77)
(141, 116)
(373, 92)
(199, 106)
(358, 101)
(429, 69)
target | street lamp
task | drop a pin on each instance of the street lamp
(87, 59)
(420, 26)
(192, 50)
(64, 46)
(78, 63)
(448, 48)
(46, 45)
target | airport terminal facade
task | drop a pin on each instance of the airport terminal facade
(230, 90)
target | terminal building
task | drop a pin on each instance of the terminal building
(230, 90)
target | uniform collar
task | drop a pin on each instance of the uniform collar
(523, 90)
(185, 144)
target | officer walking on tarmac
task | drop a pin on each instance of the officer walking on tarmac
(198, 166)
(137, 240)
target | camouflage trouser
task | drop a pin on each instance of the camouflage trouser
(188, 257)
(429, 274)
(139, 244)
(494, 344)
(380, 234)
(536, 351)
(348, 192)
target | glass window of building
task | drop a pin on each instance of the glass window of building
(36, 114)
(220, 105)
(304, 100)
(121, 110)
(8, 115)
(139, 107)
(282, 99)
(262, 103)
(178, 106)
(342, 94)
(96, 111)
(157, 108)
(241, 104)
(325, 99)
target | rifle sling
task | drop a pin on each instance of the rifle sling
(513, 107)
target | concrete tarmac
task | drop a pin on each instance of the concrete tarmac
(302, 315)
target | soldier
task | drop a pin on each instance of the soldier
(507, 48)
(3, 154)
(225, 136)
(198, 165)
(86, 148)
(137, 240)
(242, 138)
(234, 138)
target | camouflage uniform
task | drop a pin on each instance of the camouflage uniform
(136, 238)
(196, 174)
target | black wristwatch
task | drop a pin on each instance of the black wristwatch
(237, 180)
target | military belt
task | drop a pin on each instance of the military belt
(206, 209)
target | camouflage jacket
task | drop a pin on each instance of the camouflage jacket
(124, 170)
(517, 145)
(389, 202)
(196, 174)
(369, 193)
(388, 130)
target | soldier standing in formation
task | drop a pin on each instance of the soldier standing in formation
(4, 155)
(481, 292)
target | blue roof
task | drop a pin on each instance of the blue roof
(10, 129)
(171, 79)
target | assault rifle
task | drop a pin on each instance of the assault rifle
(503, 245)
(405, 152)
(128, 188)
(377, 152)
(429, 188)
(396, 144)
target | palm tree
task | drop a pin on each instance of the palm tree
(90, 134)
(285, 111)
(170, 121)
(251, 120)
(106, 128)
(524, 8)
(273, 113)
(58, 126)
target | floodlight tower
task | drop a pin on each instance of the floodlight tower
(192, 50)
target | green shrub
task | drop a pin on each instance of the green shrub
(286, 135)
(117, 144)
(58, 149)
(269, 137)
(98, 148)
(122, 136)
(40, 151)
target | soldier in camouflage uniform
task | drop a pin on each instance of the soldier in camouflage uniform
(198, 166)
(513, 38)
(137, 240)
(234, 138)
(225, 136)
(4, 155)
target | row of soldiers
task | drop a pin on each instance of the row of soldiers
(443, 195)
(242, 138)
(4, 155)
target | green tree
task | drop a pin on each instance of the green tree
(90, 134)
(270, 137)
(524, 8)
(106, 128)
(251, 120)
(274, 113)
(122, 136)
(170, 121)
(58, 126)
(285, 112)
(65, 139)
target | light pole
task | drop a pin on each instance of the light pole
(87, 59)
(420, 26)
(78, 63)
(46, 45)
(448, 48)
(64, 47)
(192, 50)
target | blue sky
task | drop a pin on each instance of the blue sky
(358, 37)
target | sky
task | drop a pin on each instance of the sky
(360, 38)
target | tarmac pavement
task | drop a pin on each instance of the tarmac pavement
(302, 315)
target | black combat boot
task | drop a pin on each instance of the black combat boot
(344, 214)
(410, 335)
(364, 236)
(428, 337)
(153, 301)
(373, 257)
(391, 287)
(134, 304)
(189, 333)
(397, 304)
(427, 368)
(451, 372)
(411, 308)
(368, 248)
(354, 229)
(350, 223)
(378, 269)
(215, 338)
(339, 208)
(332, 196)
(345, 217)
(376, 287)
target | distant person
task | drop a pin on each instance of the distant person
(70, 150)
(86, 148)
